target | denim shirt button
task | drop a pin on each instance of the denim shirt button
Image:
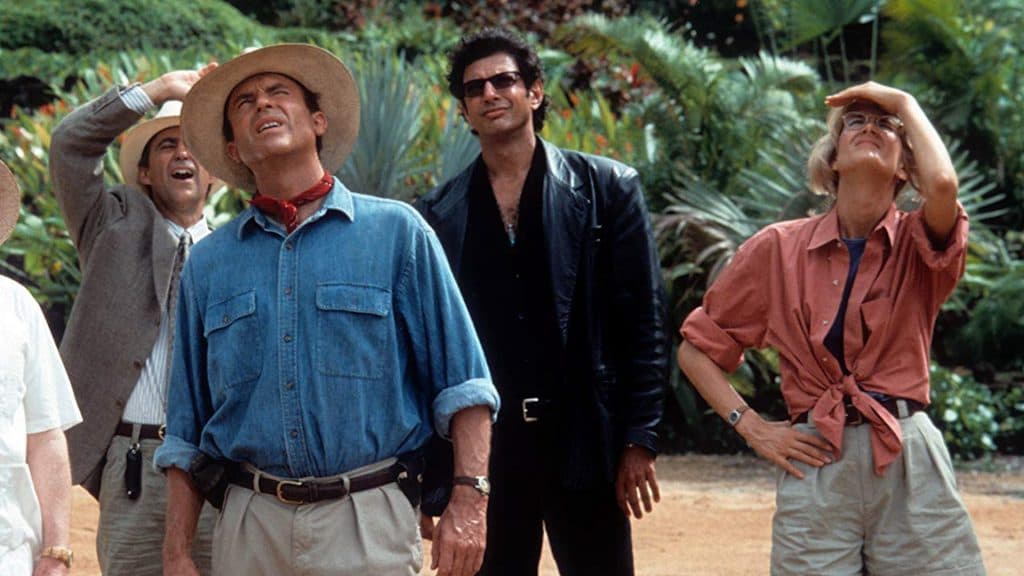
(288, 246)
(287, 337)
(226, 319)
(294, 433)
(289, 385)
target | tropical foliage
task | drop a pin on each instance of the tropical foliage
(720, 141)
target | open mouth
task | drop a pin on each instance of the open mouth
(182, 174)
(267, 126)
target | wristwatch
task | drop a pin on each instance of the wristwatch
(734, 417)
(62, 554)
(479, 483)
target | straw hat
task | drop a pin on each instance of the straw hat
(316, 69)
(10, 202)
(136, 139)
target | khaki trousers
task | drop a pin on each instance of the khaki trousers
(372, 532)
(130, 537)
(843, 519)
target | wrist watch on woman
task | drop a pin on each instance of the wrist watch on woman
(734, 416)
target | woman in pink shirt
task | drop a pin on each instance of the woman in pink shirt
(849, 300)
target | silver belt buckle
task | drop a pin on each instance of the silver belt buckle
(526, 409)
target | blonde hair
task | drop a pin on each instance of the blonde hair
(824, 180)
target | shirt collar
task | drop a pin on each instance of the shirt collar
(339, 199)
(197, 231)
(828, 228)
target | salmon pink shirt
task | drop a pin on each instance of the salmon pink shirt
(783, 289)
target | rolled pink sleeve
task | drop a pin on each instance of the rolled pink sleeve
(707, 336)
(954, 254)
(734, 313)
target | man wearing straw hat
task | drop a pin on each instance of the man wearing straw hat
(322, 341)
(132, 241)
(36, 406)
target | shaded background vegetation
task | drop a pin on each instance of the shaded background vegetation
(715, 102)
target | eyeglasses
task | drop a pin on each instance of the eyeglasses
(500, 81)
(856, 121)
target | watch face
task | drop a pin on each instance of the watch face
(483, 485)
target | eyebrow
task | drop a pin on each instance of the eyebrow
(250, 92)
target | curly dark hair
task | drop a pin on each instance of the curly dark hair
(490, 41)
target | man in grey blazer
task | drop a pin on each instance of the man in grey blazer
(131, 241)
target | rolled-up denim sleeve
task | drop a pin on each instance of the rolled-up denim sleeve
(448, 357)
(188, 398)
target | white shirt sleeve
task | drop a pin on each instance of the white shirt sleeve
(49, 400)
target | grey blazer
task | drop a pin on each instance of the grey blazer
(126, 257)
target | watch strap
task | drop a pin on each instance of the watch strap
(479, 483)
(736, 414)
(62, 554)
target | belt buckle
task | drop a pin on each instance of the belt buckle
(526, 409)
(161, 431)
(280, 495)
(854, 416)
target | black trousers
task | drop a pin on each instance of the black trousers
(588, 533)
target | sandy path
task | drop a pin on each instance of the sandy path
(715, 519)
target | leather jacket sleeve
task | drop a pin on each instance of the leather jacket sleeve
(636, 334)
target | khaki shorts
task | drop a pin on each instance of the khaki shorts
(843, 519)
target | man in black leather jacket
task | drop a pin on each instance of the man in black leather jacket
(555, 257)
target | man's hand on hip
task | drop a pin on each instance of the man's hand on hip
(636, 475)
(461, 534)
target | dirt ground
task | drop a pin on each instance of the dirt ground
(715, 518)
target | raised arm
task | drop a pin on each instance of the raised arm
(79, 144)
(934, 175)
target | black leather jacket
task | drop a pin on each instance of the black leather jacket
(609, 302)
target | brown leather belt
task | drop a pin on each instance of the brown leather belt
(855, 418)
(314, 490)
(146, 431)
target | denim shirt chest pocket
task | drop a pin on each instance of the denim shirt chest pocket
(234, 347)
(353, 323)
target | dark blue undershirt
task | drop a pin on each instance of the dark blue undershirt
(834, 338)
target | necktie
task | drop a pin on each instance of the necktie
(180, 255)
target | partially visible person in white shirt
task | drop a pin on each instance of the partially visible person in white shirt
(36, 405)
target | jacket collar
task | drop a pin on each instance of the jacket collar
(564, 214)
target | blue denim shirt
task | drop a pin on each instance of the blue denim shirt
(317, 352)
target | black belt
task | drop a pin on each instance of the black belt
(536, 408)
(146, 431)
(314, 490)
(855, 418)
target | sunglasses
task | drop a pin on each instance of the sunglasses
(856, 121)
(500, 81)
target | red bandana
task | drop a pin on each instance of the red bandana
(287, 211)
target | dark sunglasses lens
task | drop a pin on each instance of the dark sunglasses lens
(474, 88)
(504, 81)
